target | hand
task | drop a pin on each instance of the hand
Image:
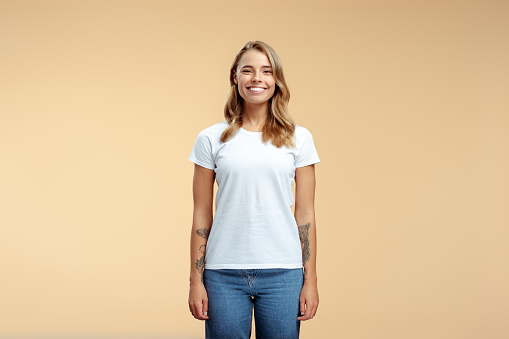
(198, 301)
(308, 301)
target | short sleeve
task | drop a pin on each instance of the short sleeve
(201, 153)
(307, 154)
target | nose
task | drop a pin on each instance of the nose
(256, 76)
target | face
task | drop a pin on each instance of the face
(254, 77)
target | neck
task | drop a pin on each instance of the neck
(254, 115)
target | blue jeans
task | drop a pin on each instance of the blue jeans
(233, 293)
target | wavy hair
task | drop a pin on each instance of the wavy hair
(279, 127)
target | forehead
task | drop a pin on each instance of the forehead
(254, 58)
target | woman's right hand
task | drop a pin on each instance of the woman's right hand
(198, 301)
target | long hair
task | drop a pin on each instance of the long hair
(279, 126)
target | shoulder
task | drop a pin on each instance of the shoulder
(302, 133)
(214, 130)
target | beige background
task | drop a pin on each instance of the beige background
(101, 102)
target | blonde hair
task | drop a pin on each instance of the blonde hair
(279, 126)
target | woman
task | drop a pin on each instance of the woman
(254, 253)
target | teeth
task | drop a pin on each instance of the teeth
(256, 89)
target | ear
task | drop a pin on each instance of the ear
(235, 77)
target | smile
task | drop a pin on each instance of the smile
(256, 90)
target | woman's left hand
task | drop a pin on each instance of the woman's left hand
(308, 300)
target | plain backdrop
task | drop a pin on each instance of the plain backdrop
(100, 105)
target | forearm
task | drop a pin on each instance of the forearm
(307, 235)
(199, 235)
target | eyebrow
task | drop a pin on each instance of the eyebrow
(253, 67)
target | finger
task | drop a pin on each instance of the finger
(306, 314)
(313, 311)
(193, 310)
(304, 317)
(205, 307)
(198, 310)
(302, 307)
(310, 311)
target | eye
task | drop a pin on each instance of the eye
(268, 71)
(246, 70)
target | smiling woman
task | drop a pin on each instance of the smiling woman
(255, 81)
(258, 65)
(258, 254)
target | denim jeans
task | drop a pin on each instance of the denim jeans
(233, 293)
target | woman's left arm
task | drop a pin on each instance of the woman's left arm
(305, 217)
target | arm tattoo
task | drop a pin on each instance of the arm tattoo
(203, 232)
(200, 263)
(304, 240)
(199, 266)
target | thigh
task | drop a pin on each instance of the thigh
(229, 305)
(276, 304)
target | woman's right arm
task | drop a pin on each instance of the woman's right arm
(203, 192)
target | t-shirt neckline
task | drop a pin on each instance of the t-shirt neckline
(249, 132)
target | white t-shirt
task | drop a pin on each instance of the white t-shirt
(253, 225)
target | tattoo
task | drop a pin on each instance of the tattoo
(203, 232)
(304, 240)
(199, 266)
(200, 263)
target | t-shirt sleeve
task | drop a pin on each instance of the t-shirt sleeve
(307, 154)
(201, 153)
